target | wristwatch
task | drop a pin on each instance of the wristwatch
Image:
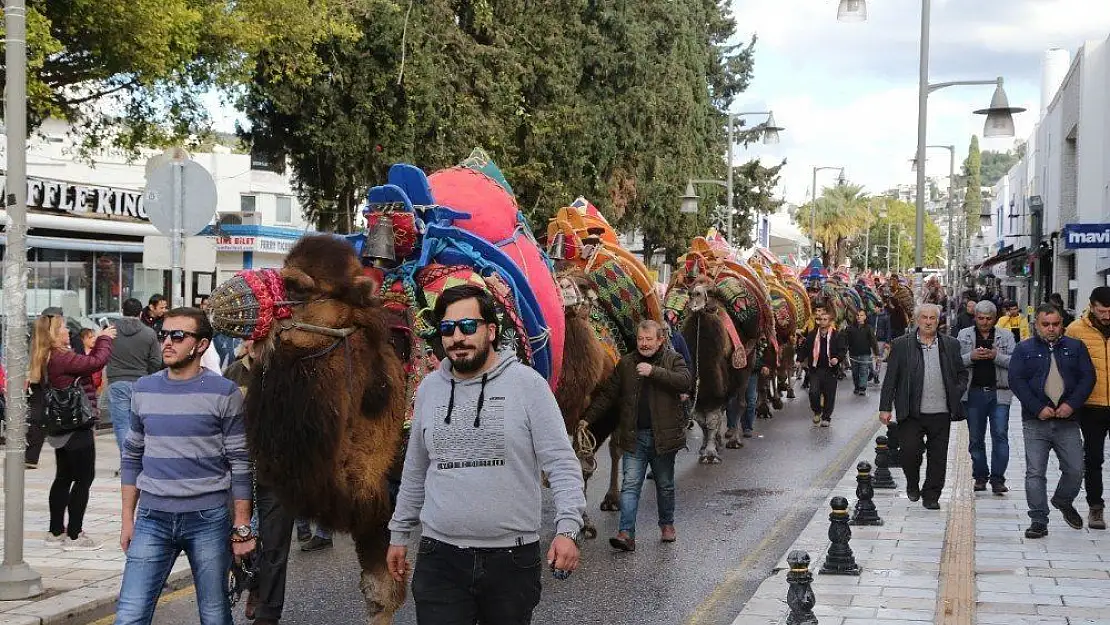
(571, 535)
(241, 533)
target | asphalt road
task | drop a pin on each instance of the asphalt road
(734, 520)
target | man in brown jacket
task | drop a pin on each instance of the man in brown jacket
(646, 387)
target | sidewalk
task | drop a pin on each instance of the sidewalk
(78, 586)
(968, 563)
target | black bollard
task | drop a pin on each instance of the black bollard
(800, 597)
(883, 477)
(865, 512)
(839, 559)
(894, 448)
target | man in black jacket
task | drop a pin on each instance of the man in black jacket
(862, 346)
(823, 350)
(925, 382)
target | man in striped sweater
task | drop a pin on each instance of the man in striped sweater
(184, 457)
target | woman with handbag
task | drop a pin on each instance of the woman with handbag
(69, 404)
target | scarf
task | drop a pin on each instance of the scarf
(817, 345)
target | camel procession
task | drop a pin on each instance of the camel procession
(346, 335)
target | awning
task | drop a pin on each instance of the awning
(1003, 257)
(85, 245)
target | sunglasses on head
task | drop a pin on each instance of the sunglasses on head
(468, 326)
(175, 335)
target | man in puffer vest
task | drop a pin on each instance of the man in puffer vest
(1093, 328)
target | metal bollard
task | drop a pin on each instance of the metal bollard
(883, 478)
(800, 597)
(865, 512)
(839, 559)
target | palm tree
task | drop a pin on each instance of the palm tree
(843, 211)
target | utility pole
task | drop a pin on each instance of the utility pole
(888, 247)
(17, 579)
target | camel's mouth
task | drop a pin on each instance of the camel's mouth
(570, 294)
(699, 298)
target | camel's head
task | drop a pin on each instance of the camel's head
(576, 293)
(702, 300)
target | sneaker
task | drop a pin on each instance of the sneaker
(81, 543)
(931, 505)
(1037, 530)
(303, 536)
(623, 542)
(54, 542)
(668, 534)
(1095, 519)
(980, 485)
(999, 488)
(825, 423)
(316, 543)
(1071, 515)
(816, 418)
(747, 434)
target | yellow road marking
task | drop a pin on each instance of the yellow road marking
(727, 587)
(166, 598)
(956, 597)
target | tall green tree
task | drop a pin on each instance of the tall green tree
(993, 165)
(841, 212)
(972, 171)
(899, 219)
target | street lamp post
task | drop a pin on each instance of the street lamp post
(951, 203)
(999, 115)
(770, 132)
(813, 208)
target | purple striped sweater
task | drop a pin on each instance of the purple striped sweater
(187, 445)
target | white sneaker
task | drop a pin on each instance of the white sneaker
(81, 543)
(54, 542)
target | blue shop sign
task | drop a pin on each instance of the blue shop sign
(1086, 236)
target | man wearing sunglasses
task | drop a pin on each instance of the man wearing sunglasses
(484, 427)
(186, 453)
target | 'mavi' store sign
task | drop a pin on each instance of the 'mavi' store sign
(1086, 236)
(84, 200)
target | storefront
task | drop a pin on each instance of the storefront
(251, 247)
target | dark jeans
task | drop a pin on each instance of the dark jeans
(635, 466)
(275, 525)
(747, 422)
(861, 370)
(1095, 422)
(455, 586)
(822, 391)
(983, 409)
(925, 435)
(1041, 437)
(70, 490)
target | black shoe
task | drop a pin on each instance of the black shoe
(999, 488)
(931, 505)
(303, 536)
(1071, 515)
(316, 543)
(1037, 530)
(980, 485)
(913, 494)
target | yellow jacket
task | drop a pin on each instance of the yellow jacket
(1098, 347)
(1008, 323)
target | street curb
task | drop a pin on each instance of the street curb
(84, 605)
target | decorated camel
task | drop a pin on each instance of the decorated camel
(792, 313)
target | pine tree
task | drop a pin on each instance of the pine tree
(973, 197)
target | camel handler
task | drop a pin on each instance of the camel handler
(485, 425)
(1093, 328)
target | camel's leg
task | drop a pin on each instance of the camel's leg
(714, 431)
(383, 595)
(612, 500)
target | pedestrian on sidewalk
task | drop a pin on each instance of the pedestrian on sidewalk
(185, 457)
(645, 388)
(741, 414)
(1013, 321)
(1093, 329)
(987, 351)
(822, 352)
(55, 365)
(484, 427)
(1051, 375)
(924, 384)
(966, 317)
(136, 353)
(862, 347)
(155, 312)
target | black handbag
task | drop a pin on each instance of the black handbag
(65, 410)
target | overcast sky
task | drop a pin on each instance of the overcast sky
(847, 92)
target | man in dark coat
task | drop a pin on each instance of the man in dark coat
(823, 350)
(924, 384)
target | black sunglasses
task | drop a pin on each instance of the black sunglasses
(468, 326)
(175, 335)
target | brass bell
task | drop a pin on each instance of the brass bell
(379, 241)
(557, 248)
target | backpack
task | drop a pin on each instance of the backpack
(65, 410)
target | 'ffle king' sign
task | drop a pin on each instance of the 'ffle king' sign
(85, 200)
(1086, 236)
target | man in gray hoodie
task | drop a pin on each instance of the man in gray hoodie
(136, 352)
(484, 427)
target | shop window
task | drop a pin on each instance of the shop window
(248, 203)
(284, 209)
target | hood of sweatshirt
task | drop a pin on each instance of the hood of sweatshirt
(128, 326)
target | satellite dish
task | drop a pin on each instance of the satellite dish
(197, 197)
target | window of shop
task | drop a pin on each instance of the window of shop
(85, 283)
(284, 210)
(248, 203)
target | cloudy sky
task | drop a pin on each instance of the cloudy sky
(847, 92)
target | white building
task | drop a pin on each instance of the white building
(91, 244)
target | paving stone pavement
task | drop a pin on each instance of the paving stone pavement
(77, 586)
(1062, 579)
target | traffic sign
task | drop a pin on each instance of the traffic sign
(195, 191)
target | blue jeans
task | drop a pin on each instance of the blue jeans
(748, 422)
(861, 369)
(119, 408)
(304, 526)
(159, 537)
(1065, 439)
(982, 409)
(635, 466)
